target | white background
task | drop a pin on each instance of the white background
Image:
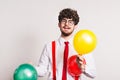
(26, 25)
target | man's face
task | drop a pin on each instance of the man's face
(66, 26)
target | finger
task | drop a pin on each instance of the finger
(80, 58)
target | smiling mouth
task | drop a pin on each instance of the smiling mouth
(66, 27)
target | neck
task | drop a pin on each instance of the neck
(67, 37)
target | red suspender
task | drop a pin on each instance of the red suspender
(53, 60)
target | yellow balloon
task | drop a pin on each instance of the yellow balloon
(84, 41)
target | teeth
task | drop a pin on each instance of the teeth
(66, 28)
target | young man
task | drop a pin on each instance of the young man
(68, 20)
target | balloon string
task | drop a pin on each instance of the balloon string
(76, 77)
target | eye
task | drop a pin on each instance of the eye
(63, 21)
(71, 22)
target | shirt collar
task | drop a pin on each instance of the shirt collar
(62, 40)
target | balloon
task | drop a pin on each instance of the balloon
(84, 41)
(73, 67)
(25, 72)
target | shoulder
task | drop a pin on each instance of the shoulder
(49, 44)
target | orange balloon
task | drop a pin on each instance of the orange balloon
(84, 41)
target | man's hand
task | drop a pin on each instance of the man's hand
(81, 62)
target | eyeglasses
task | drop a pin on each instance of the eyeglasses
(70, 22)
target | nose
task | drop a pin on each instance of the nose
(66, 23)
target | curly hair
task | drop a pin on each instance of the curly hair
(70, 14)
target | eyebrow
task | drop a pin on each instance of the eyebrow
(66, 19)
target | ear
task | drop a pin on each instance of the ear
(76, 26)
(58, 24)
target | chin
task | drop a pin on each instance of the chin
(66, 34)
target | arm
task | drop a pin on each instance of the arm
(87, 65)
(90, 69)
(42, 66)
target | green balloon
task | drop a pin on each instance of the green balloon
(25, 72)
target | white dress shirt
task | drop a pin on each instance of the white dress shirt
(45, 62)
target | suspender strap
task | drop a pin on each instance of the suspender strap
(76, 77)
(53, 60)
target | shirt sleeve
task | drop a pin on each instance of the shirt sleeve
(42, 66)
(90, 69)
